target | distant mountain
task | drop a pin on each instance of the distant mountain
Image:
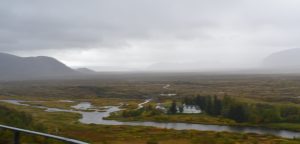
(285, 61)
(24, 68)
(86, 71)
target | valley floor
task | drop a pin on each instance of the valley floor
(274, 90)
(66, 124)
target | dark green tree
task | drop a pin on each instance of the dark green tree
(238, 112)
(173, 108)
(209, 105)
(181, 108)
(217, 106)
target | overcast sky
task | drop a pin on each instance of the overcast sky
(149, 34)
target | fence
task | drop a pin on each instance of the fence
(17, 133)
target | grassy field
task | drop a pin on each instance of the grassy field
(271, 89)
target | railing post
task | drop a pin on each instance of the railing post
(16, 137)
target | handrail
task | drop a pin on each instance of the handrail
(17, 132)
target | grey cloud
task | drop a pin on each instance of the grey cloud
(82, 24)
(235, 30)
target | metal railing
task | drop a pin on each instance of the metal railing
(18, 131)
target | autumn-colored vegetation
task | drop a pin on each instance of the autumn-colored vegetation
(269, 101)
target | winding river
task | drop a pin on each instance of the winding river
(96, 117)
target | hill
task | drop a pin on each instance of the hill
(24, 68)
(283, 61)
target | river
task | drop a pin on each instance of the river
(97, 117)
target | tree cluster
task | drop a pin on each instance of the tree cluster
(242, 111)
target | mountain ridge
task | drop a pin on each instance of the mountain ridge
(13, 67)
